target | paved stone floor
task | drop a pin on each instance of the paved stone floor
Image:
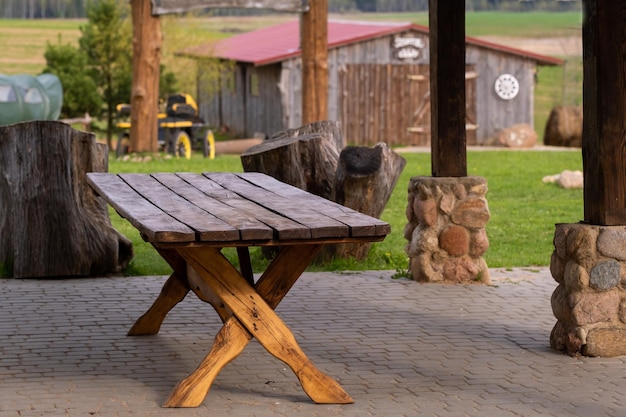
(400, 348)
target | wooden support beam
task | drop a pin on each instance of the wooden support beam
(604, 112)
(178, 6)
(447, 88)
(314, 45)
(144, 100)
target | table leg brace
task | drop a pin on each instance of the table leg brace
(254, 316)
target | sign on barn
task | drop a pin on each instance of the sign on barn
(407, 48)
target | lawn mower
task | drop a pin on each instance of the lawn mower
(180, 129)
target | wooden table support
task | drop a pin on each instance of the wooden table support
(254, 317)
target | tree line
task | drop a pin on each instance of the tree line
(65, 9)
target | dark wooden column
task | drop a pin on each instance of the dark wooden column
(447, 88)
(314, 45)
(604, 112)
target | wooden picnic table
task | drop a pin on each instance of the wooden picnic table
(190, 217)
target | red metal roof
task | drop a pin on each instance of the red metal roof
(279, 42)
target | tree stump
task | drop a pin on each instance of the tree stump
(327, 127)
(305, 157)
(364, 182)
(312, 158)
(51, 222)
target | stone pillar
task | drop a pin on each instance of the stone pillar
(589, 263)
(446, 230)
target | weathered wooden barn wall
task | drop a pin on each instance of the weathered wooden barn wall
(264, 112)
(221, 101)
(369, 90)
(492, 112)
(392, 103)
(376, 95)
(247, 101)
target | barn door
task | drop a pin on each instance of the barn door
(376, 103)
(421, 116)
(391, 103)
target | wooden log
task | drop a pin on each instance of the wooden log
(305, 157)
(314, 45)
(144, 99)
(51, 222)
(326, 127)
(364, 182)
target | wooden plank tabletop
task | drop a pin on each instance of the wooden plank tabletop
(229, 209)
(359, 223)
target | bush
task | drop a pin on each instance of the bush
(80, 92)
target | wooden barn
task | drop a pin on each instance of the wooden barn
(378, 83)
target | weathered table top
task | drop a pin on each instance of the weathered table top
(228, 209)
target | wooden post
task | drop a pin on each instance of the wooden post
(447, 88)
(314, 45)
(146, 68)
(604, 107)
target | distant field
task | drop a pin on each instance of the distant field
(533, 24)
(23, 43)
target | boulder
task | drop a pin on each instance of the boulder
(518, 136)
(564, 127)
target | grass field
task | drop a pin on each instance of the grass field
(23, 42)
(507, 24)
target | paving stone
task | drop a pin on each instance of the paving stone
(400, 348)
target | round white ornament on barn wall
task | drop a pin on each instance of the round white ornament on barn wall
(506, 86)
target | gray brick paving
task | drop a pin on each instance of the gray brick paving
(400, 348)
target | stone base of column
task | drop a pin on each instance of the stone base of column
(446, 230)
(589, 263)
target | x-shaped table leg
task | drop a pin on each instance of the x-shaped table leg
(174, 291)
(253, 316)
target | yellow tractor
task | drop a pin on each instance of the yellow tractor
(180, 128)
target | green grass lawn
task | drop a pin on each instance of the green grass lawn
(523, 209)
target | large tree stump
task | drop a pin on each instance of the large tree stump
(305, 157)
(51, 222)
(364, 182)
(330, 128)
(313, 158)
